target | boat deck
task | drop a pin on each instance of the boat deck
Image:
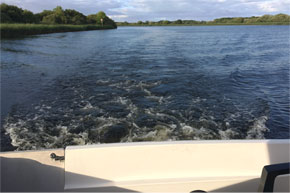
(181, 166)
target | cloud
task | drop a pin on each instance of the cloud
(200, 9)
(84, 6)
(268, 7)
(274, 6)
(134, 10)
(118, 17)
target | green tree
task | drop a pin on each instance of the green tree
(179, 21)
(264, 18)
(43, 14)
(29, 17)
(74, 17)
(281, 18)
(101, 17)
(11, 13)
(96, 19)
(5, 18)
(165, 22)
(252, 19)
(91, 19)
(57, 16)
(238, 20)
(49, 19)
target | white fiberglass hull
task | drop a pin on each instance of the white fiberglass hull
(182, 166)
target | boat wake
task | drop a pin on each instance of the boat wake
(81, 111)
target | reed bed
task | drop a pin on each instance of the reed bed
(19, 30)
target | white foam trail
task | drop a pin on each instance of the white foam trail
(160, 133)
(129, 105)
(156, 98)
(198, 100)
(147, 91)
(88, 106)
(168, 124)
(258, 129)
(195, 133)
(102, 81)
(228, 134)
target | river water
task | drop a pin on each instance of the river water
(145, 84)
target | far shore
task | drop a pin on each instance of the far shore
(21, 30)
(216, 24)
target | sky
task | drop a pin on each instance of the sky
(155, 10)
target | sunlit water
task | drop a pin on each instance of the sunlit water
(145, 84)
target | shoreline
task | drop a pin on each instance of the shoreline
(22, 30)
(221, 24)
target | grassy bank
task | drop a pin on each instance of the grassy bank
(19, 30)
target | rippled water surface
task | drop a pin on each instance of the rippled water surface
(145, 84)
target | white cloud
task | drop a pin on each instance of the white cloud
(118, 16)
(200, 9)
(134, 10)
(84, 6)
(268, 7)
(274, 6)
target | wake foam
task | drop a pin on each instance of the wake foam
(129, 111)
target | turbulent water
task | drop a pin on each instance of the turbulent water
(145, 84)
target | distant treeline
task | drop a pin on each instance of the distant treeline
(14, 14)
(265, 19)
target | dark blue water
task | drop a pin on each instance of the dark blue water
(145, 84)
